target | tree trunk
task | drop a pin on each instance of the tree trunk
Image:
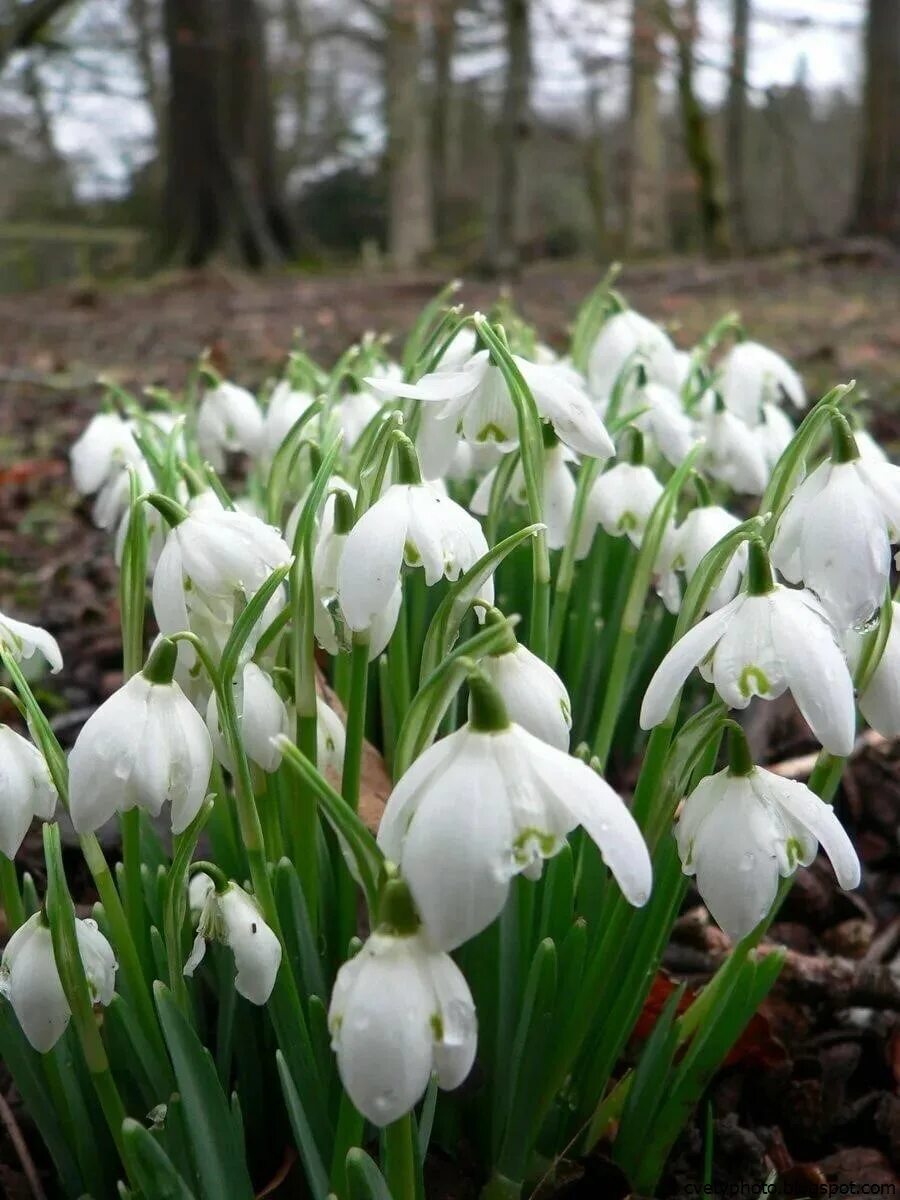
(410, 229)
(221, 188)
(736, 122)
(444, 29)
(698, 143)
(647, 223)
(56, 166)
(502, 249)
(140, 15)
(878, 189)
(595, 173)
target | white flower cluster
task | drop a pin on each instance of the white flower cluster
(499, 796)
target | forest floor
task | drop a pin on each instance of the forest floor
(814, 1090)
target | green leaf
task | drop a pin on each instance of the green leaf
(218, 1159)
(149, 1165)
(283, 462)
(364, 854)
(247, 621)
(299, 939)
(364, 1179)
(316, 1175)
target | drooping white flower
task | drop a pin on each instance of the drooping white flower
(145, 745)
(233, 918)
(229, 419)
(879, 702)
(492, 801)
(23, 642)
(331, 739)
(209, 559)
(330, 624)
(739, 832)
(412, 523)
(868, 447)
(768, 640)
(835, 535)
(534, 695)
(26, 789)
(354, 412)
(558, 498)
(774, 433)
(475, 401)
(665, 422)
(731, 453)
(285, 408)
(752, 375)
(628, 338)
(30, 980)
(701, 529)
(262, 715)
(622, 499)
(100, 454)
(400, 1011)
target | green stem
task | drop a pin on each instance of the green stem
(400, 1165)
(565, 574)
(356, 719)
(349, 1133)
(10, 895)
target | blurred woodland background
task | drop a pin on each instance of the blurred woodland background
(464, 135)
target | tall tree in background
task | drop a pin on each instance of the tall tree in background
(444, 33)
(504, 219)
(878, 189)
(646, 231)
(222, 193)
(410, 225)
(683, 25)
(736, 121)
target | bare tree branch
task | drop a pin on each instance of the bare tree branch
(27, 24)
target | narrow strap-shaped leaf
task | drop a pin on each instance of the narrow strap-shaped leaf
(219, 1160)
(297, 931)
(247, 621)
(316, 1175)
(150, 1166)
(364, 1180)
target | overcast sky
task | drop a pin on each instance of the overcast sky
(101, 121)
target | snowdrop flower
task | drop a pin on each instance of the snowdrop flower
(869, 450)
(475, 399)
(626, 338)
(752, 375)
(143, 746)
(101, 453)
(774, 434)
(836, 531)
(30, 981)
(262, 715)
(24, 642)
(665, 421)
(558, 493)
(879, 702)
(229, 420)
(622, 499)
(26, 789)
(768, 640)
(702, 528)
(286, 407)
(330, 624)
(331, 739)
(211, 555)
(492, 801)
(741, 829)
(354, 412)
(232, 917)
(400, 1011)
(732, 454)
(534, 695)
(412, 523)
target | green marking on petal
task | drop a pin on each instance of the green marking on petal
(411, 555)
(437, 1027)
(491, 433)
(794, 849)
(753, 682)
(546, 843)
(566, 710)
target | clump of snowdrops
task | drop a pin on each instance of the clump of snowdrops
(501, 567)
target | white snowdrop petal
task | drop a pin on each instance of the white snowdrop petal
(263, 717)
(373, 555)
(674, 669)
(98, 960)
(457, 1043)
(256, 948)
(880, 702)
(24, 641)
(746, 662)
(404, 800)
(30, 982)
(818, 818)
(534, 695)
